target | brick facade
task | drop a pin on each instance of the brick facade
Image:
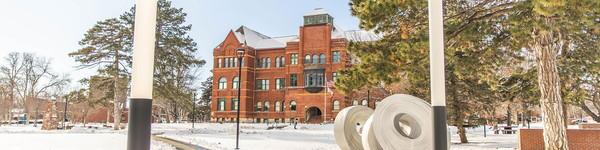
(579, 139)
(314, 104)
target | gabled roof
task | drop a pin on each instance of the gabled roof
(257, 40)
(260, 41)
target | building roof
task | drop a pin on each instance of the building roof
(316, 11)
(258, 40)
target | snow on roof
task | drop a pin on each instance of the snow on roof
(354, 35)
(316, 11)
(257, 40)
(260, 41)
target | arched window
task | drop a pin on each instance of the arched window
(268, 62)
(315, 59)
(293, 105)
(277, 106)
(282, 61)
(258, 106)
(364, 102)
(322, 59)
(236, 83)
(277, 62)
(264, 63)
(222, 83)
(266, 108)
(307, 59)
(336, 105)
(354, 102)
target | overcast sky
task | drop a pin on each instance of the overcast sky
(52, 28)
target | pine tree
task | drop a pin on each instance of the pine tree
(176, 66)
(107, 46)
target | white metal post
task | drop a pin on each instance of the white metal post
(436, 64)
(138, 136)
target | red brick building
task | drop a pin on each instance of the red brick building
(283, 78)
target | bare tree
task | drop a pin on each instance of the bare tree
(11, 72)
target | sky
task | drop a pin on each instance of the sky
(52, 28)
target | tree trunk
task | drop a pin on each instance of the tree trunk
(508, 116)
(546, 47)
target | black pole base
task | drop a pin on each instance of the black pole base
(140, 118)
(440, 128)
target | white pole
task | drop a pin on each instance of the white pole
(436, 58)
(138, 137)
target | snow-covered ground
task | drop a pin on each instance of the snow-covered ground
(20, 137)
(252, 136)
(218, 137)
(307, 137)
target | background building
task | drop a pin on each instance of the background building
(283, 78)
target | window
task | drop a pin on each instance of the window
(315, 59)
(226, 63)
(277, 62)
(277, 106)
(268, 62)
(282, 61)
(258, 106)
(266, 108)
(336, 105)
(293, 80)
(243, 61)
(221, 104)
(365, 102)
(307, 59)
(258, 63)
(336, 57)
(234, 104)
(220, 62)
(262, 84)
(293, 105)
(334, 76)
(354, 102)
(264, 63)
(222, 83)
(279, 83)
(322, 59)
(313, 79)
(294, 59)
(235, 61)
(319, 78)
(236, 83)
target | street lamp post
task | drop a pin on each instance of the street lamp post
(193, 108)
(240, 54)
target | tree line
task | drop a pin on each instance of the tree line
(26, 82)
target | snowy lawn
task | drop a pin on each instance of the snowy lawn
(252, 136)
(218, 137)
(20, 137)
(307, 137)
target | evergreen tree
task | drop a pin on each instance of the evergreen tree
(473, 55)
(175, 65)
(109, 45)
